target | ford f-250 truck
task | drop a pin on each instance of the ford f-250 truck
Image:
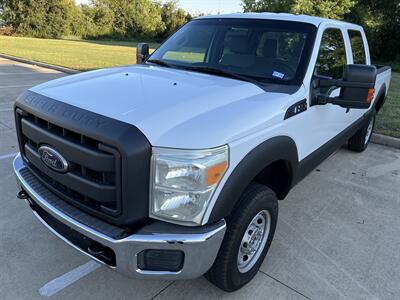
(173, 168)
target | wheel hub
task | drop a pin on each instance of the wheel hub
(253, 241)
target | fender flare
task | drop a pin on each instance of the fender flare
(274, 149)
(381, 92)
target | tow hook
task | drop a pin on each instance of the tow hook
(98, 250)
(22, 195)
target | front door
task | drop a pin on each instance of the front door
(327, 121)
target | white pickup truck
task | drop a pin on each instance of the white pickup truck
(172, 168)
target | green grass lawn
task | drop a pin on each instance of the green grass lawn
(87, 55)
(388, 120)
(80, 55)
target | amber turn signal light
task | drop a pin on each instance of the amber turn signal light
(215, 173)
(370, 96)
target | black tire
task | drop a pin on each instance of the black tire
(359, 141)
(225, 272)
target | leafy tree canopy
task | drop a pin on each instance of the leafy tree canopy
(99, 18)
(334, 9)
(380, 18)
(40, 18)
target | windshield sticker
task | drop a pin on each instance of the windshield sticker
(278, 74)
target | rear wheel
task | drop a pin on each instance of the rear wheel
(250, 230)
(360, 140)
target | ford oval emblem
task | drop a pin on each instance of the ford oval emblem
(53, 159)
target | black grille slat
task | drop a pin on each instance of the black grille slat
(102, 193)
(70, 196)
(77, 153)
(92, 181)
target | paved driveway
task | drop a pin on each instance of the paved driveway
(338, 233)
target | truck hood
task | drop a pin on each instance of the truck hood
(173, 108)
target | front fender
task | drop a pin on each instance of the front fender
(272, 150)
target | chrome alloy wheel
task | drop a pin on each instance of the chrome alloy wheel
(369, 131)
(253, 241)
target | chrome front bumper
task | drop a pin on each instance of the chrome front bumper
(199, 245)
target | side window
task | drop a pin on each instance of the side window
(332, 54)
(357, 47)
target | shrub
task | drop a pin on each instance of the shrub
(7, 30)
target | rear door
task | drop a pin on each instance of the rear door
(359, 55)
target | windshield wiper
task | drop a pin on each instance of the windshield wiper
(221, 72)
(208, 70)
(159, 62)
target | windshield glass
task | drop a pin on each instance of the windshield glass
(265, 50)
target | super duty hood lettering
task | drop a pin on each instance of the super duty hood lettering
(56, 108)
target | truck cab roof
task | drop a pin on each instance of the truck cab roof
(281, 17)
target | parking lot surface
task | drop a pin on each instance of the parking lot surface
(337, 235)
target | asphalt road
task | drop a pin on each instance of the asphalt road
(337, 235)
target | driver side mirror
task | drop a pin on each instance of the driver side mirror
(142, 53)
(357, 87)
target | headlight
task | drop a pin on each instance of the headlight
(183, 182)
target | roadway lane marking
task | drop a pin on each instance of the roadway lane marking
(10, 155)
(8, 109)
(60, 283)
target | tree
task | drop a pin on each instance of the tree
(334, 9)
(267, 5)
(97, 20)
(172, 17)
(134, 18)
(39, 18)
(381, 21)
(380, 18)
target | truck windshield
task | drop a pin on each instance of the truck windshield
(260, 50)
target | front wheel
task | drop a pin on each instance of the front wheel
(250, 230)
(360, 140)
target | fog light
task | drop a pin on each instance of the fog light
(161, 260)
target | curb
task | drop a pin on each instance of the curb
(40, 64)
(385, 140)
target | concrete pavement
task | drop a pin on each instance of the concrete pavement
(337, 235)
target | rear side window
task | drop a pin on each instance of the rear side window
(357, 46)
(332, 54)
